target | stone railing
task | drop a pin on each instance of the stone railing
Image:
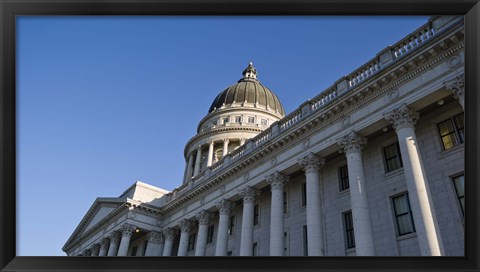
(385, 58)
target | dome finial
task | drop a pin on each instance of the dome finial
(250, 72)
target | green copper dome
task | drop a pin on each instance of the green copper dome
(248, 92)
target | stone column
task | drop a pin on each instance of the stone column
(203, 220)
(185, 227)
(225, 147)
(311, 164)
(224, 209)
(352, 145)
(114, 241)
(169, 236)
(246, 239)
(95, 249)
(127, 232)
(457, 86)
(403, 120)
(104, 247)
(188, 170)
(153, 245)
(210, 153)
(197, 161)
(277, 181)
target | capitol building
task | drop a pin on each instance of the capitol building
(371, 166)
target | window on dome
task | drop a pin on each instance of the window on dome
(251, 120)
(215, 122)
(226, 120)
(264, 122)
(238, 119)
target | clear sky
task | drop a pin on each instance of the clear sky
(105, 101)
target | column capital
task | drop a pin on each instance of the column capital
(211, 142)
(311, 162)
(226, 140)
(115, 236)
(224, 207)
(456, 85)
(155, 237)
(87, 252)
(169, 234)
(352, 142)
(204, 217)
(185, 225)
(249, 195)
(277, 180)
(402, 116)
(104, 242)
(127, 230)
(95, 249)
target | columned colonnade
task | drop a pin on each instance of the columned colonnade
(403, 119)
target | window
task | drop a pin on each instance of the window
(285, 202)
(229, 253)
(393, 159)
(215, 122)
(254, 249)
(210, 234)
(251, 120)
(145, 248)
(349, 234)
(231, 225)
(285, 244)
(255, 215)
(226, 120)
(459, 183)
(452, 131)
(264, 122)
(238, 119)
(304, 194)
(305, 241)
(343, 174)
(403, 214)
(134, 251)
(191, 241)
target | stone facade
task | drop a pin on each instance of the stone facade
(372, 166)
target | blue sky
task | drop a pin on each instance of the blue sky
(105, 101)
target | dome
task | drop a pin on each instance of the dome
(248, 91)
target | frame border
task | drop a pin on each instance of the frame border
(9, 9)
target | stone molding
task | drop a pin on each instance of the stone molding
(169, 234)
(204, 217)
(249, 195)
(224, 207)
(277, 180)
(127, 230)
(185, 225)
(402, 117)
(352, 142)
(311, 163)
(457, 86)
(155, 237)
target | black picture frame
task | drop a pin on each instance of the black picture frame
(11, 8)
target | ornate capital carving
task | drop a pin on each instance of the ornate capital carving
(155, 237)
(169, 234)
(249, 195)
(204, 217)
(225, 207)
(115, 237)
(402, 117)
(95, 249)
(311, 163)
(127, 230)
(352, 142)
(456, 85)
(104, 243)
(277, 180)
(87, 252)
(185, 225)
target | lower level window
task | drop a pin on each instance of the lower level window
(254, 249)
(459, 183)
(191, 241)
(349, 234)
(403, 214)
(134, 251)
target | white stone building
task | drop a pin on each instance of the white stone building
(372, 166)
